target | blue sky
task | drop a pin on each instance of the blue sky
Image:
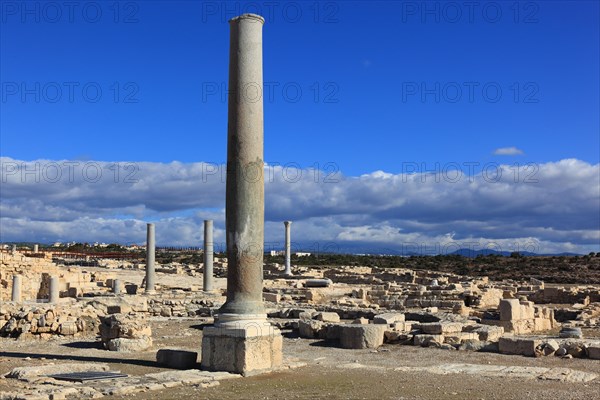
(385, 86)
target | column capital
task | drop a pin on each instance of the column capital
(248, 16)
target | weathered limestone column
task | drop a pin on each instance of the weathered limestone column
(150, 252)
(117, 286)
(54, 291)
(36, 248)
(208, 255)
(244, 205)
(14, 248)
(288, 248)
(242, 341)
(16, 288)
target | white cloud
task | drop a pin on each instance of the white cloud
(555, 206)
(508, 151)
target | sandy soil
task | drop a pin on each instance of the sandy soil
(327, 374)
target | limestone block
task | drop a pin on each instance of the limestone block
(129, 345)
(427, 340)
(296, 312)
(527, 310)
(245, 351)
(310, 329)
(124, 326)
(459, 337)
(398, 337)
(518, 345)
(389, 318)
(576, 349)
(333, 331)
(272, 297)
(479, 345)
(594, 352)
(314, 296)
(549, 348)
(402, 326)
(542, 324)
(441, 328)
(122, 308)
(327, 317)
(489, 333)
(67, 328)
(179, 359)
(306, 315)
(510, 310)
(362, 336)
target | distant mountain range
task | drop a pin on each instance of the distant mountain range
(362, 249)
(465, 252)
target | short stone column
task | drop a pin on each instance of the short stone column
(150, 254)
(36, 248)
(16, 288)
(54, 294)
(208, 255)
(117, 286)
(242, 341)
(288, 248)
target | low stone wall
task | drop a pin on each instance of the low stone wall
(36, 272)
(559, 295)
(521, 317)
(43, 321)
(181, 306)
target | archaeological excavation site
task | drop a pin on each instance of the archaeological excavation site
(76, 325)
(149, 321)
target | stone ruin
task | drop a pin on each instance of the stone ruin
(352, 307)
(358, 307)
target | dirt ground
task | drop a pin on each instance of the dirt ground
(331, 372)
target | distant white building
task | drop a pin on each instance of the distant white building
(282, 253)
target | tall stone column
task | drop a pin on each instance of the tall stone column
(288, 248)
(150, 252)
(36, 248)
(16, 288)
(14, 248)
(54, 290)
(242, 341)
(208, 255)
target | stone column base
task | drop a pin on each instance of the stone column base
(251, 349)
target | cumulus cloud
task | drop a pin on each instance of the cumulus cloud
(550, 207)
(508, 151)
